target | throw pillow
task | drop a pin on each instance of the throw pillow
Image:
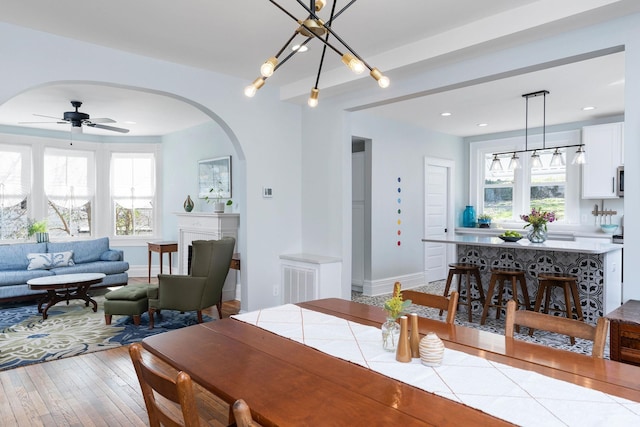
(110, 255)
(45, 261)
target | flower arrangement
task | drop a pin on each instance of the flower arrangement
(538, 218)
(34, 226)
(396, 306)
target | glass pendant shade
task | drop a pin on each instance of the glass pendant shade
(536, 163)
(496, 165)
(579, 158)
(514, 163)
(557, 159)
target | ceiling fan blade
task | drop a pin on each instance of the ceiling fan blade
(102, 120)
(49, 117)
(113, 128)
(27, 123)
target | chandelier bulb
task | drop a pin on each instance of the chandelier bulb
(251, 90)
(383, 81)
(313, 98)
(269, 67)
(320, 4)
(353, 63)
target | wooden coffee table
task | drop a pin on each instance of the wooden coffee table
(65, 287)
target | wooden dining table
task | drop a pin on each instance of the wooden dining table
(288, 383)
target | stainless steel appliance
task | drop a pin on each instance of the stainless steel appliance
(620, 189)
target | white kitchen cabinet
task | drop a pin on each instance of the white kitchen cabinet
(603, 151)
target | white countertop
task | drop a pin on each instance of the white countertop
(587, 247)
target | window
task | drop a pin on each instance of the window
(69, 187)
(133, 193)
(507, 194)
(15, 182)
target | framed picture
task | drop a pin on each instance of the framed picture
(214, 178)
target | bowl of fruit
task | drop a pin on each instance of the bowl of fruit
(510, 236)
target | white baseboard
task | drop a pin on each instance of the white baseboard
(385, 286)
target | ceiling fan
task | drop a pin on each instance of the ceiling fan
(77, 119)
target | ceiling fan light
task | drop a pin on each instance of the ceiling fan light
(313, 97)
(353, 63)
(269, 67)
(383, 81)
(557, 159)
(579, 158)
(76, 129)
(496, 165)
(536, 163)
(251, 90)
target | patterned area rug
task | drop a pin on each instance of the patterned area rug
(491, 324)
(71, 330)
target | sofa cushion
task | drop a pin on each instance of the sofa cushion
(14, 257)
(84, 250)
(106, 267)
(45, 261)
(111, 255)
(19, 277)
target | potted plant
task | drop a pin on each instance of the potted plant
(228, 208)
(484, 221)
(216, 198)
(39, 228)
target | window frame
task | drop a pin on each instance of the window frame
(522, 176)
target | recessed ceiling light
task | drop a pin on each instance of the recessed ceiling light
(481, 125)
(300, 48)
(589, 108)
(445, 114)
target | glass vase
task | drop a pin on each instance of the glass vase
(537, 234)
(390, 334)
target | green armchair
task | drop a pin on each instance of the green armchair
(203, 288)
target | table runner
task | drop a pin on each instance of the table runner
(512, 394)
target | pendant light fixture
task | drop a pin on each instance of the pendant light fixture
(315, 28)
(557, 159)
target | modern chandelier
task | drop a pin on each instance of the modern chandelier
(536, 163)
(312, 27)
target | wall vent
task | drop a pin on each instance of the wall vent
(299, 284)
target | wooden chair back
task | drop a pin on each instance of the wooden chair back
(242, 414)
(179, 391)
(440, 302)
(559, 325)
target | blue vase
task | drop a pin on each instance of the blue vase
(469, 217)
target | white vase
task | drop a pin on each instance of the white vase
(431, 350)
(218, 207)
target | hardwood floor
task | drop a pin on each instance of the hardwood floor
(95, 389)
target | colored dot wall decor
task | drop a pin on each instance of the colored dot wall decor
(399, 213)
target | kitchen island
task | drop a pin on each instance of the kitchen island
(596, 265)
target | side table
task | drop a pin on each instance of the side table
(625, 333)
(161, 247)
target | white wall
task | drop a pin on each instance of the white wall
(398, 151)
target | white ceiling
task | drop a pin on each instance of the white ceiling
(231, 37)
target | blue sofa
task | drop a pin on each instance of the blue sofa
(23, 261)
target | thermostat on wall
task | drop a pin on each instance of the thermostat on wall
(267, 192)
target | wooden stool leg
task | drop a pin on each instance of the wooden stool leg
(476, 273)
(576, 300)
(448, 285)
(489, 297)
(567, 306)
(547, 297)
(542, 290)
(525, 292)
(500, 299)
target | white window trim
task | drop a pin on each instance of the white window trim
(478, 149)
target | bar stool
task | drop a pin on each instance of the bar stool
(569, 284)
(499, 276)
(464, 270)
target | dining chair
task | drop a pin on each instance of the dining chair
(559, 325)
(242, 414)
(178, 390)
(440, 302)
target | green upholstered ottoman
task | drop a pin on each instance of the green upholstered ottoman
(130, 300)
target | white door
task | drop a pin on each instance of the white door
(438, 219)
